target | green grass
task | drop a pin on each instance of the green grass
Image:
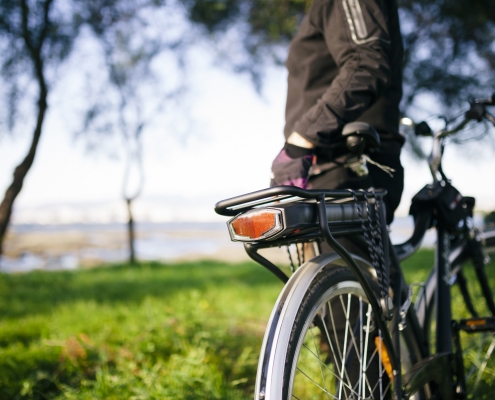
(153, 331)
(187, 331)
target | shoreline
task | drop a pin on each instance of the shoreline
(71, 246)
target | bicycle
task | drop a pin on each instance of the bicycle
(345, 325)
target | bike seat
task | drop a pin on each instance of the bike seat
(360, 136)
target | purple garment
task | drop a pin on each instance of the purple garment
(290, 171)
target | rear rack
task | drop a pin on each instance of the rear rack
(283, 194)
(299, 214)
(302, 212)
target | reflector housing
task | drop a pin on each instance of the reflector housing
(256, 225)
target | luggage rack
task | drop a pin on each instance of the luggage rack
(284, 194)
(300, 212)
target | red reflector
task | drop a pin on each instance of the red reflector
(255, 225)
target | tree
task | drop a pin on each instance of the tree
(449, 49)
(449, 52)
(133, 93)
(35, 38)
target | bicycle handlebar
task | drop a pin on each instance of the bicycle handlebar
(477, 112)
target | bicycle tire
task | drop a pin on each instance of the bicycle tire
(333, 284)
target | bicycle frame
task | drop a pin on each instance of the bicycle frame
(437, 287)
(350, 230)
(329, 228)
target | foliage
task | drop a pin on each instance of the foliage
(34, 37)
(132, 94)
(449, 49)
(248, 34)
(448, 45)
(190, 330)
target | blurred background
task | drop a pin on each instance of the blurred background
(162, 108)
(123, 122)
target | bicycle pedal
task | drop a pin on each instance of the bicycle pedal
(471, 325)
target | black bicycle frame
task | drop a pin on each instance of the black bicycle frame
(431, 368)
(231, 207)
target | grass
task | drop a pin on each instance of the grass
(153, 331)
(184, 331)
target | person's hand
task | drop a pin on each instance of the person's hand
(291, 167)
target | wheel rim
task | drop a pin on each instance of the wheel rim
(339, 359)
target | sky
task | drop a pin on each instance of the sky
(218, 143)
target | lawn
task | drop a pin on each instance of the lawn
(182, 331)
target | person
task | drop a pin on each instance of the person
(344, 65)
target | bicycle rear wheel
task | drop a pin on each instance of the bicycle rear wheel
(333, 350)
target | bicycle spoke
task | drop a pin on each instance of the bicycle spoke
(366, 341)
(342, 369)
(347, 385)
(324, 390)
(319, 362)
(345, 334)
(360, 338)
(375, 352)
(483, 364)
(326, 366)
(385, 391)
(361, 386)
(334, 353)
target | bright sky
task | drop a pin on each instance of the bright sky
(234, 135)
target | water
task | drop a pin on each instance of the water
(94, 244)
(107, 243)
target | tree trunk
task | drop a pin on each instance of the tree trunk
(35, 52)
(131, 235)
(21, 171)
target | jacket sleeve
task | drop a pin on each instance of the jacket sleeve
(356, 35)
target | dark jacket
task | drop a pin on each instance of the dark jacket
(345, 65)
